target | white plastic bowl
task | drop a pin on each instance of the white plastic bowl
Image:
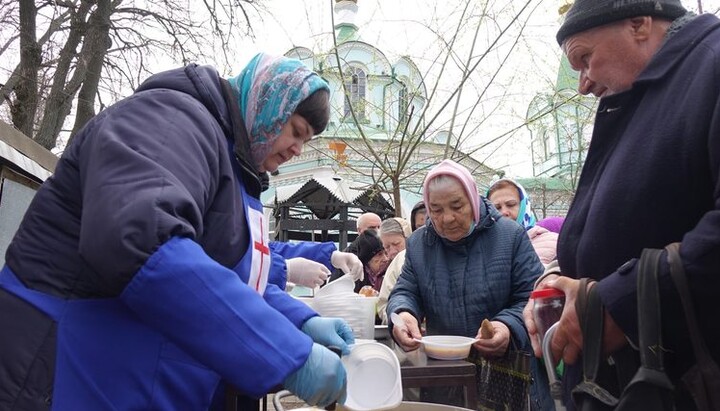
(447, 347)
(341, 286)
(373, 378)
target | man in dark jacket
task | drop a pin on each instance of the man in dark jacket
(652, 173)
(366, 221)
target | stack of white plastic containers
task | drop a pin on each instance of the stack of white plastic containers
(337, 299)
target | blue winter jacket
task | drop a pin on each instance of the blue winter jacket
(454, 286)
(160, 168)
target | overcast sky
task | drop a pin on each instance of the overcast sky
(411, 28)
(399, 27)
(404, 27)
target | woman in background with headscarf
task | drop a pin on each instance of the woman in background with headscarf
(393, 233)
(418, 214)
(465, 265)
(510, 198)
(371, 253)
(138, 278)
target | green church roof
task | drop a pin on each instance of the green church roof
(567, 78)
(347, 32)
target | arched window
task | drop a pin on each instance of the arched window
(403, 104)
(355, 83)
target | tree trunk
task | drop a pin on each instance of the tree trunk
(24, 107)
(7, 89)
(59, 101)
(397, 198)
(97, 43)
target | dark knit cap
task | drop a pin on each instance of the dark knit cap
(369, 244)
(587, 14)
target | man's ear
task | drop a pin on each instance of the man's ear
(641, 27)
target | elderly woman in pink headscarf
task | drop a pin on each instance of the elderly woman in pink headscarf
(466, 265)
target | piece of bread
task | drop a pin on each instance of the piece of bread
(368, 291)
(486, 330)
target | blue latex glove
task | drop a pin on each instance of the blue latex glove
(330, 332)
(321, 380)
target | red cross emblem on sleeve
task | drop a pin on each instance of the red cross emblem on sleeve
(264, 251)
(260, 266)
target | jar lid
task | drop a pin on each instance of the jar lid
(547, 293)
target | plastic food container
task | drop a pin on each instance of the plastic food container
(549, 303)
(359, 312)
(337, 299)
(447, 347)
(374, 381)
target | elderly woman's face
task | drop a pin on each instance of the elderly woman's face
(420, 218)
(507, 201)
(393, 244)
(293, 135)
(450, 210)
(378, 262)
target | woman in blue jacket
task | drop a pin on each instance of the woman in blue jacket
(138, 278)
(466, 265)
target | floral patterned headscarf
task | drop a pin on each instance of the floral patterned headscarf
(526, 215)
(269, 89)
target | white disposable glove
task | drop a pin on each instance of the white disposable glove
(307, 273)
(349, 263)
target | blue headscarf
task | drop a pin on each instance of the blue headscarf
(526, 216)
(269, 89)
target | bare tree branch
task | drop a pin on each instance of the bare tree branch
(100, 46)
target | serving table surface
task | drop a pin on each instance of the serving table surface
(416, 370)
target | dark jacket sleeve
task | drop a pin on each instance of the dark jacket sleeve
(148, 171)
(700, 254)
(526, 268)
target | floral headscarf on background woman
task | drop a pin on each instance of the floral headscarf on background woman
(269, 90)
(525, 215)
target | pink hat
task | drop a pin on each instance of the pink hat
(453, 169)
